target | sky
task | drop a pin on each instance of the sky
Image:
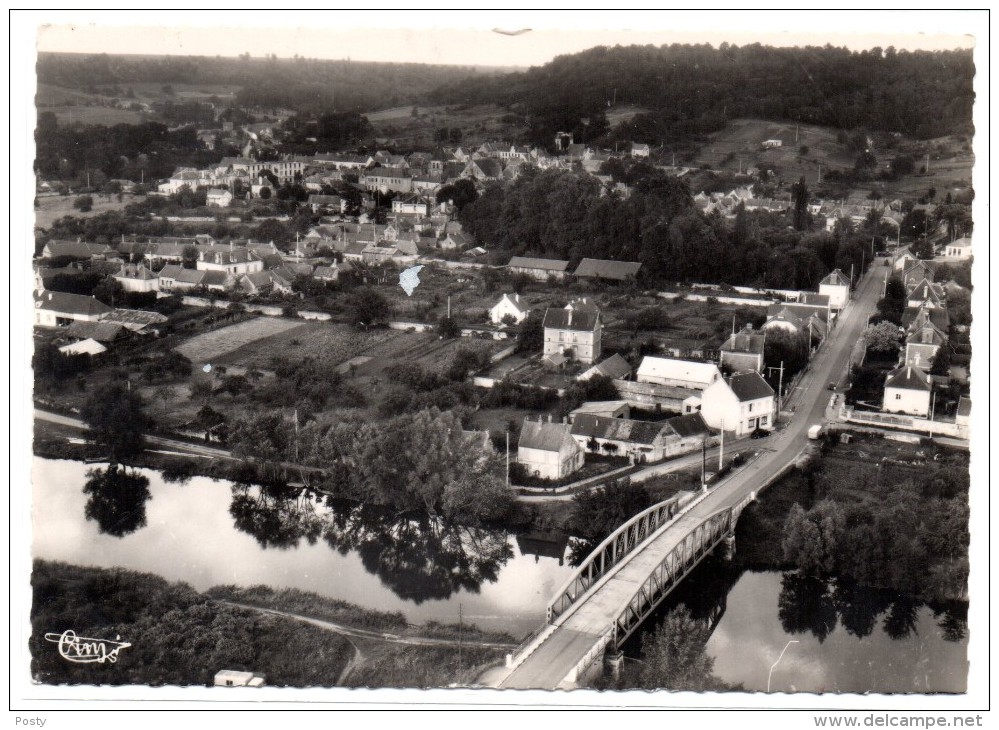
(468, 38)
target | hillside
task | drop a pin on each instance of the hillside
(695, 90)
(807, 148)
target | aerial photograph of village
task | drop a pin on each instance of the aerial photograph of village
(645, 366)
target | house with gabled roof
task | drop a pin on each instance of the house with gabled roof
(136, 278)
(925, 293)
(837, 287)
(959, 250)
(76, 249)
(605, 408)
(739, 404)
(575, 329)
(744, 351)
(923, 340)
(218, 198)
(547, 450)
(101, 331)
(614, 367)
(915, 272)
(509, 305)
(257, 282)
(60, 309)
(907, 390)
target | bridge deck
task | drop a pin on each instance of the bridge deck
(580, 631)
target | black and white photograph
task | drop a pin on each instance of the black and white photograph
(625, 357)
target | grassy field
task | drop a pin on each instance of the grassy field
(478, 124)
(52, 207)
(624, 113)
(210, 346)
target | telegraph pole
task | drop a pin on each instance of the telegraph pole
(507, 459)
(780, 383)
(704, 460)
(721, 447)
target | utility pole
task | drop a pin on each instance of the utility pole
(296, 435)
(449, 306)
(780, 382)
(459, 643)
(933, 402)
(704, 460)
(721, 447)
(507, 459)
(851, 274)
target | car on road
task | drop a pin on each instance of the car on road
(831, 386)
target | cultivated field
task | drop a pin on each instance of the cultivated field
(56, 206)
(211, 346)
(341, 344)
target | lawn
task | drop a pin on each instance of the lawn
(210, 346)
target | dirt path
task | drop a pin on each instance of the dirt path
(350, 631)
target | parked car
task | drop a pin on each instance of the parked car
(759, 433)
(831, 386)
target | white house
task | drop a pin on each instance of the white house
(233, 260)
(509, 305)
(677, 373)
(547, 450)
(136, 278)
(639, 150)
(59, 309)
(234, 678)
(837, 287)
(907, 390)
(959, 249)
(740, 404)
(576, 328)
(218, 198)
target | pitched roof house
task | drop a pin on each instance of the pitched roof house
(576, 328)
(744, 351)
(907, 390)
(59, 309)
(509, 305)
(547, 450)
(740, 404)
(677, 373)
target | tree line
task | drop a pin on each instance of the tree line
(695, 89)
(562, 214)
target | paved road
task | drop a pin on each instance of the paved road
(580, 628)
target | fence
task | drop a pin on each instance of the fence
(908, 423)
(720, 300)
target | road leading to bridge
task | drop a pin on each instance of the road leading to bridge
(582, 627)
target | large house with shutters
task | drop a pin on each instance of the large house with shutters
(576, 329)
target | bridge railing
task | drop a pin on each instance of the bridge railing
(674, 566)
(610, 552)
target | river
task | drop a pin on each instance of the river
(207, 532)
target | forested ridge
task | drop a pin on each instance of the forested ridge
(695, 89)
(303, 84)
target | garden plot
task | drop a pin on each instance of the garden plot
(211, 346)
(329, 342)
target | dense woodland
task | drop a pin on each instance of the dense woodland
(561, 214)
(695, 89)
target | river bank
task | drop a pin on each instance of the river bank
(215, 633)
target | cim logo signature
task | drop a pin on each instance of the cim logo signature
(83, 650)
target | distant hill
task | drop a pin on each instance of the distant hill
(300, 84)
(694, 90)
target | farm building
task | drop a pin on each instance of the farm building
(607, 270)
(539, 269)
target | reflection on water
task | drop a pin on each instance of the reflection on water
(417, 556)
(850, 638)
(209, 532)
(117, 500)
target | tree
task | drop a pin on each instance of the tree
(115, 415)
(84, 203)
(110, 291)
(941, 361)
(811, 539)
(117, 500)
(448, 328)
(265, 193)
(882, 337)
(189, 256)
(368, 307)
(531, 337)
(673, 655)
